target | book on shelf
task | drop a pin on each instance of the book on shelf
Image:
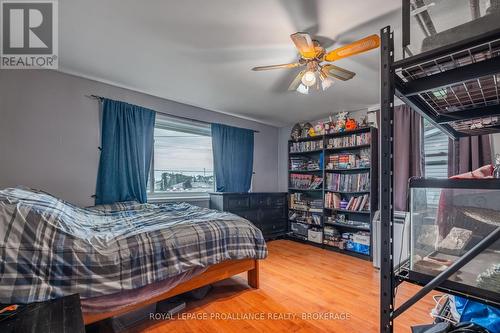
(305, 181)
(316, 183)
(342, 220)
(364, 158)
(360, 159)
(365, 203)
(303, 203)
(302, 163)
(358, 203)
(350, 204)
(363, 139)
(349, 140)
(316, 205)
(332, 200)
(341, 182)
(355, 203)
(305, 146)
(304, 217)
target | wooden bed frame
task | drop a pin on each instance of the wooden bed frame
(213, 274)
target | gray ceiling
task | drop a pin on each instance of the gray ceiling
(200, 52)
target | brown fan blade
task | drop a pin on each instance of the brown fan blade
(337, 72)
(265, 68)
(296, 82)
(303, 42)
(356, 47)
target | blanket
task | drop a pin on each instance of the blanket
(50, 248)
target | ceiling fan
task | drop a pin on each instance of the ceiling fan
(312, 55)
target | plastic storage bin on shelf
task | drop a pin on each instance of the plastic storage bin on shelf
(315, 236)
(449, 217)
(299, 230)
(360, 243)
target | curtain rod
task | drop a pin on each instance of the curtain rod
(100, 98)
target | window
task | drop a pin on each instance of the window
(435, 152)
(182, 163)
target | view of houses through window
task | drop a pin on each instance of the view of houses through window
(182, 158)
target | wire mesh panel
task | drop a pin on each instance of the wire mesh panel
(464, 95)
(450, 61)
(480, 126)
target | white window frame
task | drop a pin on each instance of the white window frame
(441, 136)
(186, 126)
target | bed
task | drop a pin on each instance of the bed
(117, 257)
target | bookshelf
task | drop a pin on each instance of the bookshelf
(347, 164)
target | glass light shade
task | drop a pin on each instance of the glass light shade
(309, 79)
(327, 83)
(303, 89)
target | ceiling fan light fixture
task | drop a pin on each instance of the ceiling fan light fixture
(309, 79)
(303, 89)
(326, 83)
(312, 56)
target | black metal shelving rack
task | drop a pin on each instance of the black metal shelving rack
(468, 72)
(373, 170)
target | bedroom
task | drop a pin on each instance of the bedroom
(143, 116)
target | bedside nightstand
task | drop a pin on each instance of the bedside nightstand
(54, 316)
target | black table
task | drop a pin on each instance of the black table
(56, 316)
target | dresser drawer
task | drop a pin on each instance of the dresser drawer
(267, 215)
(250, 215)
(238, 202)
(260, 201)
(278, 201)
(278, 226)
(268, 201)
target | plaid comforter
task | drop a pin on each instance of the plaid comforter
(50, 248)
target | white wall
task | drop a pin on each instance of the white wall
(49, 132)
(283, 137)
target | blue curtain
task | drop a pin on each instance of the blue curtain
(127, 145)
(233, 158)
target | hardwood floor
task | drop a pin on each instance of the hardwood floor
(296, 279)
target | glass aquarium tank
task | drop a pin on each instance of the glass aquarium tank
(449, 217)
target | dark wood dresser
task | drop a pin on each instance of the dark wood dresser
(268, 211)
